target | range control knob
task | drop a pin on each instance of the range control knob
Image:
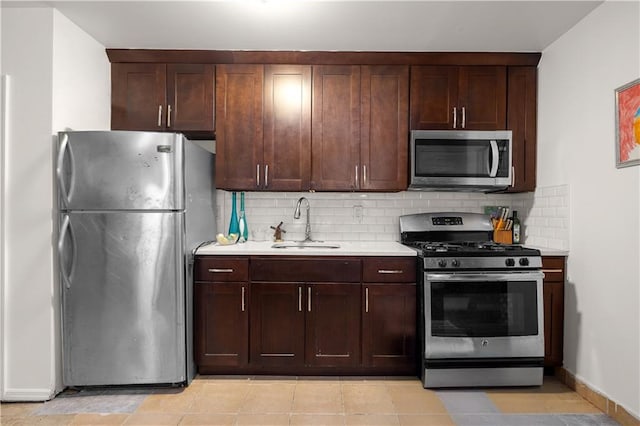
(442, 263)
(455, 263)
(524, 261)
(510, 262)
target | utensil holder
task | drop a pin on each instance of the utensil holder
(502, 236)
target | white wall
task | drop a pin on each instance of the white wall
(40, 52)
(577, 77)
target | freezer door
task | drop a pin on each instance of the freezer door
(123, 295)
(120, 170)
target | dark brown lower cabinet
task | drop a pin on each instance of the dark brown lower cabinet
(389, 326)
(333, 324)
(288, 315)
(277, 324)
(553, 295)
(222, 324)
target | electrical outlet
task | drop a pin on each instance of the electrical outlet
(357, 213)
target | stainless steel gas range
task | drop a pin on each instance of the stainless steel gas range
(481, 310)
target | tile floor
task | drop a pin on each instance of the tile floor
(213, 400)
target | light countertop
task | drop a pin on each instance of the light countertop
(347, 248)
(549, 251)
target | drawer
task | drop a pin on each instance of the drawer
(553, 268)
(221, 268)
(319, 269)
(389, 269)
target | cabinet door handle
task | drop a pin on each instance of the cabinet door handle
(159, 115)
(364, 175)
(299, 299)
(168, 115)
(266, 175)
(513, 175)
(356, 176)
(258, 175)
(243, 299)
(223, 271)
(366, 299)
(390, 271)
(309, 299)
(464, 118)
(455, 117)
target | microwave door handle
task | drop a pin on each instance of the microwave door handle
(495, 159)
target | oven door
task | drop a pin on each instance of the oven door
(483, 315)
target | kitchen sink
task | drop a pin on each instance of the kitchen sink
(305, 244)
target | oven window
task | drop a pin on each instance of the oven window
(487, 309)
(458, 158)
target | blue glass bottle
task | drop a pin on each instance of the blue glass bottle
(233, 223)
(244, 230)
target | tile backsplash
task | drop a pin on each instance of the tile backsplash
(350, 216)
(345, 216)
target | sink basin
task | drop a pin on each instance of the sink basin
(306, 244)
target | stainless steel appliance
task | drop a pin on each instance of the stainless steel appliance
(481, 310)
(132, 207)
(460, 160)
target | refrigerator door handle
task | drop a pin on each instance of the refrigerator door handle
(64, 194)
(66, 279)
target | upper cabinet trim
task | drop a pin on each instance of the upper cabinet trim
(321, 57)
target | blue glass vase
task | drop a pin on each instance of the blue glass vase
(233, 223)
(244, 230)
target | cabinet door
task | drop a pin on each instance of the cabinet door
(138, 96)
(336, 127)
(482, 98)
(239, 144)
(333, 324)
(553, 295)
(384, 128)
(389, 326)
(190, 97)
(222, 324)
(521, 120)
(434, 96)
(287, 127)
(277, 324)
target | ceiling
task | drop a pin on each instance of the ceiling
(509, 26)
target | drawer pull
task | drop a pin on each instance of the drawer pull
(552, 270)
(222, 271)
(390, 271)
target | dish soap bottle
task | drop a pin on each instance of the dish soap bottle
(516, 228)
(242, 222)
(233, 223)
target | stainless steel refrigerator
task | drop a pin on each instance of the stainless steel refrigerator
(132, 208)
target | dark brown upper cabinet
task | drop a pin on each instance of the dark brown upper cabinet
(384, 128)
(458, 97)
(360, 128)
(521, 120)
(263, 127)
(163, 97)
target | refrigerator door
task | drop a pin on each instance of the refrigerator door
(120, 170)
(123, 292)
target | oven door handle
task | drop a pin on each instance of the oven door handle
(486, 276)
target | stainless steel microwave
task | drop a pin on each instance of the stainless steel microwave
(466, 160)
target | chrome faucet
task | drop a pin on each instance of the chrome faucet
(296, 215)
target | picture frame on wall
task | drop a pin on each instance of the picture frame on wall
(628, 124)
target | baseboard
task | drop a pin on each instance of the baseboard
(606, 405)
(27, 395)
